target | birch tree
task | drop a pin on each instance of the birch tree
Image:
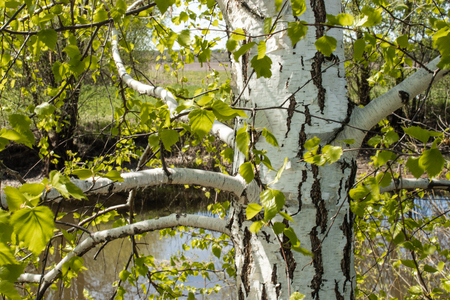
(286, 114)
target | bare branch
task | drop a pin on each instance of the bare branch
(421, 183)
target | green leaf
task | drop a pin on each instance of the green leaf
(298, 7)
(326, 45)
(14, 198)
(49, 37)
(231, 44)
(332, 153)
(340, 19)
(100, 15)
(246, 171)
(273, 201)
(429, 269)
(278, 227)
(312, 143)
(270, 138)
(280, 171)
(184, 38)
(432, 162)
(21, 124)
(296, 31)
(267, 25)
(238, 35)
(262, 66)
(372, 16)
(113, 175)
(413, 166)
(408, 263)
(243, 140)
(83, 173)
(256, 226)
(6, 255)
(286, 216)
(191, 296)
(402, 41)
(278, 4)
(204, 100)
(7, 288)
(421, 134)
(163, 5)
(261, 49)
(358, 49)
(296, 296)
(72, 51)
(169, 137)
(34, 226)
(225, 112)
(45, 109)
(242, 50)
(252, 210)
(201, 121)
(64, 186)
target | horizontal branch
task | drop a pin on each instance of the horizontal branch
(421, 183)
(224, 132)
(379, 108)
(99, 237)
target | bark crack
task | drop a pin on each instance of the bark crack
(320, 15)
(248, 260)
(275, 280)
(290, 110)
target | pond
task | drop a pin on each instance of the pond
(103, 268)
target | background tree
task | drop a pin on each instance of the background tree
(295, 141)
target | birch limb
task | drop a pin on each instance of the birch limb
(379, 108)
(224, 132)
(99, 237)
(154, 177)
(421, 183)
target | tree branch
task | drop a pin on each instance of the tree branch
(100, 237)
(421, 183)
(379, 108)
(224, 132)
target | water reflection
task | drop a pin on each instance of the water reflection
(103, 271)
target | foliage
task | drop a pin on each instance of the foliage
(52, 52)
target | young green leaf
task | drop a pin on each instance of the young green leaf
(270, 138)
(262, 66)
(246, 171)
(358, 49)
(113, 175)
(243, 140)
(432, 162)
(261, 49)
(34, 227)
(326, 45)
(256, 226)
(298, 7)
(296, 31)
(273, 201)
(49, 37)
(242, 50)
(252, 210)
(169, 137)
(267, 25)
(201, 121)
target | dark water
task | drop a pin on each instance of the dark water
(103, 271)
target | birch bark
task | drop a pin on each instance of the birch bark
(315, 197)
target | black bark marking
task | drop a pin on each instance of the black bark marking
(339, 191)
(254, 12)
(299, 198)
(320, 16)
(245, 60)
(241, 294)
(275, 280)
(290, 261)
(319, 203)
(316, 282)
(336, 291)
(307, 115)
(301, 141)
(287, 82)
(301, 57)
(291, 108)
(264, 293)
(346, 228)
(316, 74)
(248, 259)
(404, 96)
(281, 67)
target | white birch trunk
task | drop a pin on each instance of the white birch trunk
(316, 197)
